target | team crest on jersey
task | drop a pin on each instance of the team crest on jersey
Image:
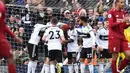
(117, 15)
(109, 15)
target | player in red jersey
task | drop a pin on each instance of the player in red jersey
(118, 21)
(5, 47)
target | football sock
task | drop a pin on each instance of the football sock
(34, 65)
(29, 67)
(108, 65)
(82, 67)
(52, 68)
(101, 65)
(114, 69)
(70, 67)
(91, 68)
(123, 64)
(45, 68)
(11, 68)
(76, 68)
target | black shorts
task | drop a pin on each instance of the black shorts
(46, 50)
(86, 53)
(33, 51)
(55, 55)
(71, 55)
(105, 54)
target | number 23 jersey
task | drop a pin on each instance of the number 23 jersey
(53, 35)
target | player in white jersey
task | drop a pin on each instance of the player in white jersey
(54, 36)
(88, 44)
(45, 68)
(33, 46)
(72, 46)
(102, 42)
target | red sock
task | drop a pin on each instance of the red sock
(11, 68)
(123, 64)
(114, 68)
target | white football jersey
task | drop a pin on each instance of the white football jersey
(73, 46)
(53, 35)
(102, 37)
(59, 24)
(35, 38)
(88, 37)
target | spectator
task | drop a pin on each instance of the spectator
(67, 16)
(91, 13)
(18, 20)
(12, 23)
(35, 2)
(23, 35)
(48, 14)
(82, 12)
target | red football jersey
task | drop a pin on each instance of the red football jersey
(3, 27)
(116, 25)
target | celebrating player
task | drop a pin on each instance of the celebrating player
(88, 44)
(102, 42)
(54, 36)
(117, 41)
(33, 46)
(5, 47)
(72, 48)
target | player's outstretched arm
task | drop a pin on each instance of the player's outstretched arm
(69, 41)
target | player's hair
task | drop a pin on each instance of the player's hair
(116, 1)
(84, 18)
(71, 21)
(54, 20)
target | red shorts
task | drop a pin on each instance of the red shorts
(5, 49)
(118, 45)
